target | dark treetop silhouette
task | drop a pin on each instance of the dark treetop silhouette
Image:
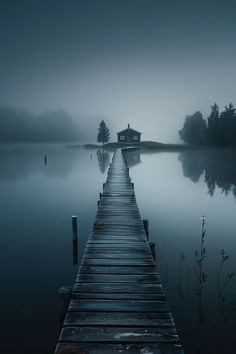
(103, 135)
(220, 129)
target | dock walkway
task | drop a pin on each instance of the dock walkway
(118, 304)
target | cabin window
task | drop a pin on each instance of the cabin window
(122, 137)
(135, 137)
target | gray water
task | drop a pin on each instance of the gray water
(173, 191)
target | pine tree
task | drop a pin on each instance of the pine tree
(213, 129)
(228, 125)
(103, 135)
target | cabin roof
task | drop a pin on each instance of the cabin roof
(129, 130)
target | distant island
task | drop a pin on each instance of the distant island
(20, 126)
(128, 138)
(141, 145)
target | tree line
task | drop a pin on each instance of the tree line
(18, 126)
(21, 126)
(219, 129)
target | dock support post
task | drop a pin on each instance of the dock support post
(153, 250)
(64, 295)
(100, 195)
(146, 227)
(98, 202)
(74, 228)
(75, 252)
(75, 239)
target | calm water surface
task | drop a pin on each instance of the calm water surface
(173, 191)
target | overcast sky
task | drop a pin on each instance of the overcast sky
(143, 62)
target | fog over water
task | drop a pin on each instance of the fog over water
(148, 63)
(173, 191)
(64, 67)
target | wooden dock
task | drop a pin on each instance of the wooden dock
(118, 304)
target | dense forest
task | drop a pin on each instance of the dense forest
(20, 126)
(218, 129)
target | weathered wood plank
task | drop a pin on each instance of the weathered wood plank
(131, 348)
(153, 319)
(118, 238)
(118, 306)
(117, 270)
(117, 278)
(103, 334)
(117, 250)
(131, 246)
(118, 255)
(118, 261)
(124, 288)
(124, 228)
(114, 296)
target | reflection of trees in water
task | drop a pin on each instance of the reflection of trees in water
(193, 164)
(103, 160)
(218, 168)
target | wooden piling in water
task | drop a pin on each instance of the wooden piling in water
(75, 252)
(74, 239)
(64, 295)
(74, 228)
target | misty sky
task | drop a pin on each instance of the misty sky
(145, 62)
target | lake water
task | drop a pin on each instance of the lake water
(173, 190)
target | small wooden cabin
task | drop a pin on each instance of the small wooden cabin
(129, 135)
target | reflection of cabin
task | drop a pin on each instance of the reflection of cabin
(129, 135)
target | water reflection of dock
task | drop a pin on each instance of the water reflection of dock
(132, 158)
(118, 303)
